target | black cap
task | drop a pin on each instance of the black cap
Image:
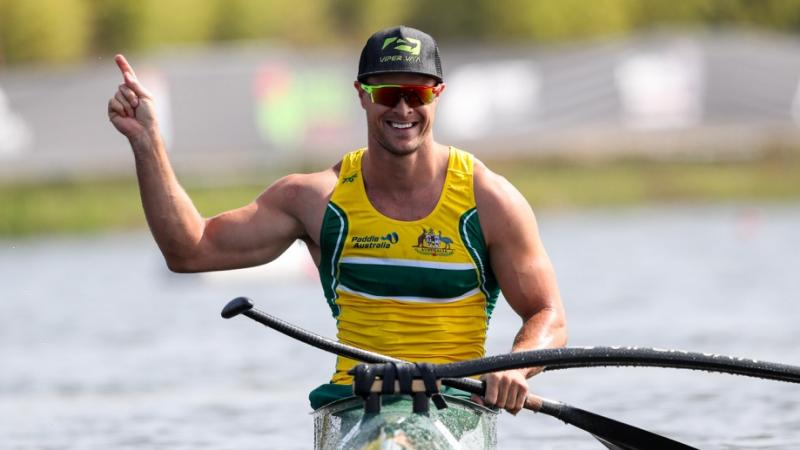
(400, 49)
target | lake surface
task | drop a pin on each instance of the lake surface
(101, 347)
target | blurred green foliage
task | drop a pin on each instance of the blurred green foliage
(57, 31)
(44, 30)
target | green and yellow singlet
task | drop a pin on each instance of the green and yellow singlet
(418, 290)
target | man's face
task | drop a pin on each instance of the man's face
(400, 129)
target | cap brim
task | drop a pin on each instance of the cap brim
(363, 76)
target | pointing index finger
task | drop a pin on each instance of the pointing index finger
(130, 77)
(123, 65)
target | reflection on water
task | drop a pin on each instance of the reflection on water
(101, 347)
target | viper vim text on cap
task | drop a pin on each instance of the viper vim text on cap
(400, 49)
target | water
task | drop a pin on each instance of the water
(101, 347)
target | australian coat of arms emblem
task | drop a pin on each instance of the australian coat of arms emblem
(432, 243)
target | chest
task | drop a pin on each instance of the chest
(409, 207)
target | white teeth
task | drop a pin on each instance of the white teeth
(401, 124)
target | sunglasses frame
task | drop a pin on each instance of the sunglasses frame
(369, 88)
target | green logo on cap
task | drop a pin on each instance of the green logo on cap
(403, 45)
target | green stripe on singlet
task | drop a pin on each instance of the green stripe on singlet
(388, 280)
(332, 238)
(470, 228)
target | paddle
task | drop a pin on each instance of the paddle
(570, 358)
(613, 434)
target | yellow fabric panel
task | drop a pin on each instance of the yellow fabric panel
(437, 333)
(418, 331)
(365, 220)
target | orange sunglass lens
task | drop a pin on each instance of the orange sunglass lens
(413, 95)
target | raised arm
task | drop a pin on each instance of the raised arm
(526, 278)
(251, 235)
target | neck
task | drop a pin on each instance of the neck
(405, 187)
(389, 172)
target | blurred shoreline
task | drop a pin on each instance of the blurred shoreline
(717, 96)
(88, 205)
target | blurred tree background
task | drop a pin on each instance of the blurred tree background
(39, 35)
(63, 31)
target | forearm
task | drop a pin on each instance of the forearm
(546, 328)
(174, 221)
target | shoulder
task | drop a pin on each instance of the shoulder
(493, 190)
(501, 207)
(300, 198)
(300, 189)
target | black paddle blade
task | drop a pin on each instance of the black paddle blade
(611, 433)
(236, 307)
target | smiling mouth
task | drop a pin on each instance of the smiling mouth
(401, 125)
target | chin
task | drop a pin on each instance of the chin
(401, 148)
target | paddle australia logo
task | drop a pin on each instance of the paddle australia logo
(373, 241)
(432, 243)
(350, 179)
(410, 46)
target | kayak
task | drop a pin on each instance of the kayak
(343, 424)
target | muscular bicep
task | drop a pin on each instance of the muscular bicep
(523, 269)
(518, 257)
(520, 263)
(251, 235)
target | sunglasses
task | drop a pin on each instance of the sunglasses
(390, 94)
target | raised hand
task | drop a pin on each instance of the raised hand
(131, 110)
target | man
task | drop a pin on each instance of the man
(412, 238)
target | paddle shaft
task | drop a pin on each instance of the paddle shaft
(565, 358)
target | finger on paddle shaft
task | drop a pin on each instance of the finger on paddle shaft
(533, 403)
(478, 387)
(613, 434)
